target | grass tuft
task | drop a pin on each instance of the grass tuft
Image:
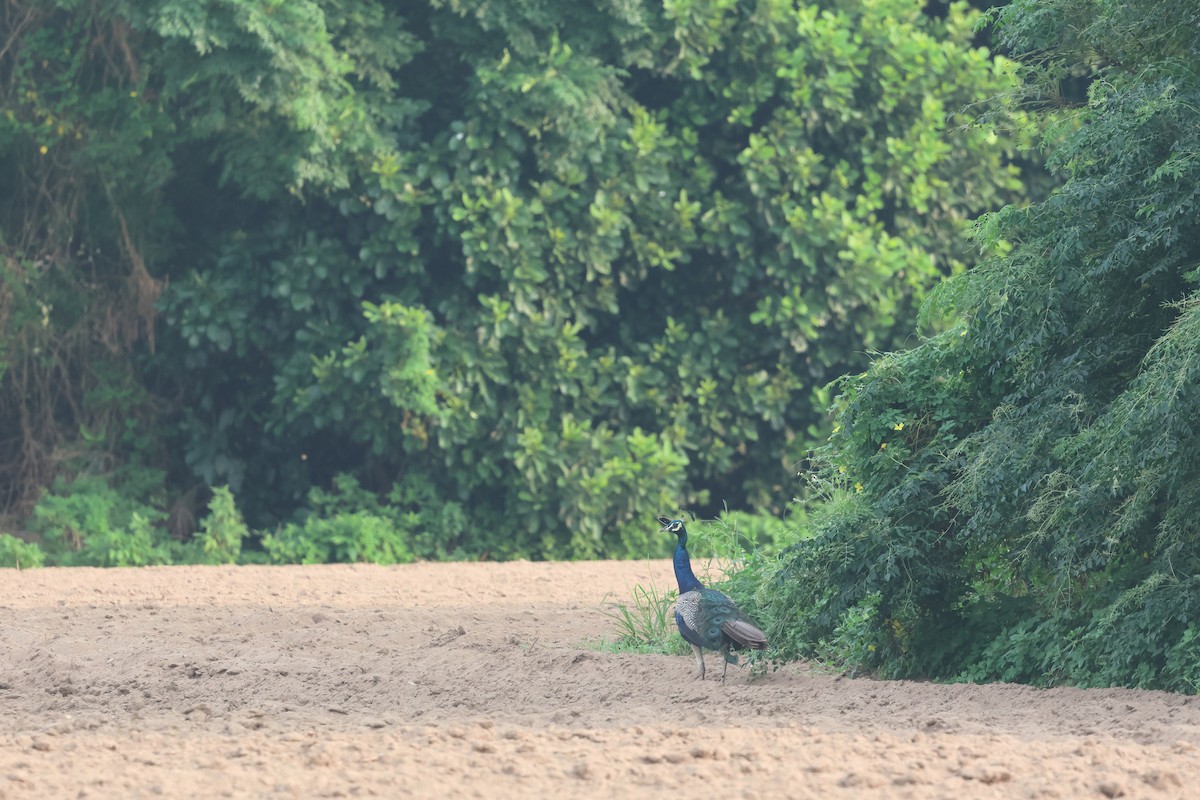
(645, 625)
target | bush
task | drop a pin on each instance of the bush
(19, 554)
(1016, 494)
(355, 537)
(88, 523)
(222, 531)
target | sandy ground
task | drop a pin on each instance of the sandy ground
(473, 680)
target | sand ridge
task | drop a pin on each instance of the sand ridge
(474, 680)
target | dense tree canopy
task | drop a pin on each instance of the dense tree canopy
(525, 273)
(1018, 493)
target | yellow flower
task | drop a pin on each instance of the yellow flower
(870, 648)
(837, 428)
(964, 333)
(842, 469)
(858, 487)
(883, 446)
(899, 426)
(43, 149)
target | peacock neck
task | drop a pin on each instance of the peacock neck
(683, 568)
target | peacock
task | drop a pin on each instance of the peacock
(708, 618)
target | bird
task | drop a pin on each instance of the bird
(708, 619)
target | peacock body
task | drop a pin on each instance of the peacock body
(708, 619)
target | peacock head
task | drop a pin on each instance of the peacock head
(674, 526)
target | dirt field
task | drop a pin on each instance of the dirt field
(471, 680)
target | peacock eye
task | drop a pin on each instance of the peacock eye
(675, 525)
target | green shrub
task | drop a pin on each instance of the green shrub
(737, 535)
(1016, 495)
(222, 531)
(344, 537)
(18, 553)
(86, 522)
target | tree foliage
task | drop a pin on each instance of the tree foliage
(1016, 495)
(529, 271)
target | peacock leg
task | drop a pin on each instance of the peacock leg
(699, 661)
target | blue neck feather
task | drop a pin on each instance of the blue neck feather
(683, 567)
